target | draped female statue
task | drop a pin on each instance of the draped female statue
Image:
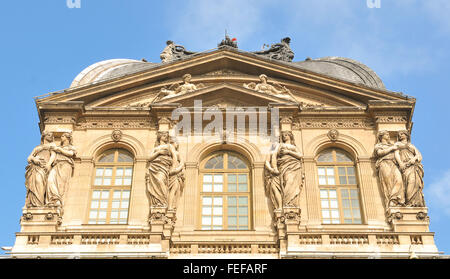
(176, 178)
(285, 163)
(36, 174)
(409, 160)
(388, 171)
(61, 172)
(160, 162)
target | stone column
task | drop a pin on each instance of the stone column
(312, 194)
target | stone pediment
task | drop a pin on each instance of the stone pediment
(223, 73)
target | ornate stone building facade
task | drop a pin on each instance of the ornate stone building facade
(225, 153)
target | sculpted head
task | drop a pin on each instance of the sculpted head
(162, 138)
(263, 78)
(286, 40)
(187, 78)
(169, 42)
(403, 135)
(287, 136)
(47, 137)
(383, 134)
(66, 138)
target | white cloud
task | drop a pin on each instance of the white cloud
(438, 193)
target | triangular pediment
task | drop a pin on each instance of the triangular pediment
(224, 73)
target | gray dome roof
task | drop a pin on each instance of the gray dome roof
(343, 68)
(109, 69)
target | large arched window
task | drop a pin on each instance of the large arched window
(339, 194)
(225, 192)
(111, 187)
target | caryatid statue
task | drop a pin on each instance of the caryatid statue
(176, 177)
(388, 171)
(284, 178)
(409, 160)
(61, 172)
(160, 163)
(36, 175)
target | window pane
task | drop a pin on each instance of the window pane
(333, 204)
(124, 204)
(342, 180)
(341, 170)
(325, 214)
(232, 187)
(243, 200)
(96, 194)
(321, 171)
(98, 181)
(331, 180)
(322, 180)
(206, 221)
(206, 210)
(232, 178)
(333, 194)
(217, 221)
(334, 214)
(218, 201)
(243, 211)
(128, 171)
(207, 188)
(350, 170)
(207, 200)
(108, 171)
(126, 194)
(243, 187)
(351, 180)
(118, 181)
(218, 178)
(107, 181)
(242, 178)
(119, 172)
(235, 163)
(115, 204)
(342, 157)
(93, 214)
(124, 156)
(232, 210)
(217, 187)
(330, 171)
(99, 172)
(127, 181)
(232, 220)
(354, 193)
(323, 193)
(217, 211)
(326, 156)
(324, 204)
(243, 221)
(107, 157)
(231, 200)
(215, 162)
(207, 178)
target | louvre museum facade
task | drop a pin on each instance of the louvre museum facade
(225, 154)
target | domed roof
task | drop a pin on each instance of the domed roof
(343, 68)
(108, 69)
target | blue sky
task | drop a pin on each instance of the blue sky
(45, 44)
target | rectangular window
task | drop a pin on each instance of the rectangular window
(212, 213)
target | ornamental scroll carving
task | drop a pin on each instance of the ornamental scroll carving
(283, 173)
(400, 171)
(48, 172)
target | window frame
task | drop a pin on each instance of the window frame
(338, 186)
(114, 165)
(225, 194)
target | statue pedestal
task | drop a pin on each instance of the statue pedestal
(408, 219)
(287, 225)
(40, 219)
(162, 222)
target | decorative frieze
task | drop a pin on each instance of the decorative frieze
(117, 123)
(332, 123)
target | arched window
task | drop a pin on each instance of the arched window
(111, 187)
(339, 194)
(225, 192)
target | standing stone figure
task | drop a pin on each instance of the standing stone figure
(388, 171)
(61, 172)
(160, 162)
(176, 177)
(409, 160)
(285, 163)
(36, 174)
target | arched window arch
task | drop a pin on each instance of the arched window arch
(111, 187)
(338, 183)
(225, 192)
